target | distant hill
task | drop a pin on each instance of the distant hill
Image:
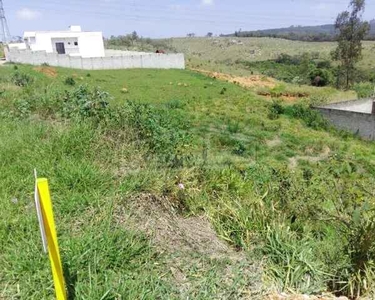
(301, 33)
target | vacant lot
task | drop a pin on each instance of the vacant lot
(171, 185)
(220, 54)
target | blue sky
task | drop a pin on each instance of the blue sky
(165, 18)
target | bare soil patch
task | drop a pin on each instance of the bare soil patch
(192, 246)
(293, 161)
(247, 81)
(48, 71)
(174, 232)
(284, 296)
(286, 96)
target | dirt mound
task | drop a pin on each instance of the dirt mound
(246, 81)
(48, 71)
(173, 232)
(193, 249)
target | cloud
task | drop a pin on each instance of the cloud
(28, 14)
(207, 2)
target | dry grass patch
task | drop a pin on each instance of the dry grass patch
(46, 70)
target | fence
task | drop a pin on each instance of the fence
(119, 60)
(355, 116)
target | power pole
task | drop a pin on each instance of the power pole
(5, 34)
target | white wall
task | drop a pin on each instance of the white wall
(150, 60)
(91, 44)
(20, 46)
(42, 43)
(70, 47)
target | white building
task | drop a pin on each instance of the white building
(73, 42)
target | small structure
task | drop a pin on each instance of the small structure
(78, 49)
(73, 42)
(357, 116)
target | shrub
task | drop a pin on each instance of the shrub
(164, 134)
(85, 103)
(320, 77)
(233, 127)
(22, 108)
(69, 81)
(22, 79)
(311, 117)
(275, 110)
(364, 89)
(239, 148)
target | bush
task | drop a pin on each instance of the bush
(70, 81)
(311, 117)
(364, 89)
(22, 79)
(85, 103)
(163, 133)
(22, 108)
(275, 110)
(239, 148)
(321, 77)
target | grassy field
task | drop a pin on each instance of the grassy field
(174, 185)
(220, 54)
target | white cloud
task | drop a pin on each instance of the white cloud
(28, 14)
(207, 2)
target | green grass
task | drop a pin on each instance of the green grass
(220, 54)
(170, 127)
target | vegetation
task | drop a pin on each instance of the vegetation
(320, 33)
(134, 42)
(352, 31)
(302, 69)
(275, 181)
(221, 54)
(364, 90)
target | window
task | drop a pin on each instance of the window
(75, 43)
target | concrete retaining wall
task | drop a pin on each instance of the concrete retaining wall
(121, 60)
(362, 124)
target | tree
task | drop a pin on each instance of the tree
(209, 34)
(351, 31)
(192, 34)
(134, 37)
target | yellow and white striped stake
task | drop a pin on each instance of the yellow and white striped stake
(44, 209)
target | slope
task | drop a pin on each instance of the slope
(195, 156)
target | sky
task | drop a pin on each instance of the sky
(171, 18)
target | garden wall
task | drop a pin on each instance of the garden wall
(355, 116)
(121, 60)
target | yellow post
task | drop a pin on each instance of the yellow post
(50, 231)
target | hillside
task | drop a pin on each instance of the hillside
(168, 184)
(301, 33)
(222, 54)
